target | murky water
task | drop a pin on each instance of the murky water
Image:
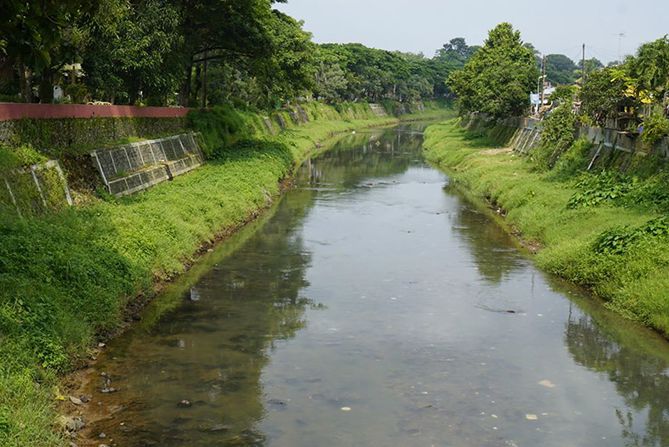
(376, 307)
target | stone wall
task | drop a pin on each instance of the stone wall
(77, 135)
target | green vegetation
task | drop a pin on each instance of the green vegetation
(498, 78)
(605, 231)
(66, 278)
(597, 226)
(73, 137)
(633, 93)
(561, 70)
(200, 53)
(557, 135)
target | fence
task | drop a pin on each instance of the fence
(35, 190)
(134, 167)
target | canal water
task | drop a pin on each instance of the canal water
(374, 306)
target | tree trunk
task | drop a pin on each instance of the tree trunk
(24, 83)
(195, 93)
(185, 91)
(46, 88)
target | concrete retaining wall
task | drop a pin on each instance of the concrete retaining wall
(35, 190)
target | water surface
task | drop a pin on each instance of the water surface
(375, 307)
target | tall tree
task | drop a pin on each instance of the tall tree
(133, 51)
(228, 30)
(451, 57)
(604, 93)
(499, 77)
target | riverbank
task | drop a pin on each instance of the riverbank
(607, 235)
(67, 279)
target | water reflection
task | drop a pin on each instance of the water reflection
(209, 352)
(374, 155)
(495, 255)
(634, 360)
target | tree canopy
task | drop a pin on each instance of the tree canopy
(561, 70)
(200, 52)
(499, 77)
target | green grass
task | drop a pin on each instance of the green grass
(66, 278)
(617, 247)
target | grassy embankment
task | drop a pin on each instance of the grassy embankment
(66, 278)
(605, 231)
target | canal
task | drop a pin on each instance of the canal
(375, 306)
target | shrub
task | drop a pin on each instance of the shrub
(557, 136)
(655, 126)
(596, 189)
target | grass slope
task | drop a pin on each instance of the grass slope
(66, 278)
(617, 248)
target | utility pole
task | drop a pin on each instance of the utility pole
(583, 66)
(543, 81)
(621, 36)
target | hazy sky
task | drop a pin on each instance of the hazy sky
(425, 25)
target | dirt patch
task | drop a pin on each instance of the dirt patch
(503, 150)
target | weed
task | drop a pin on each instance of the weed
(596, 189)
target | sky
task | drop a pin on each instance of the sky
(425, 25)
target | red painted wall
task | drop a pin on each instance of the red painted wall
(14, 111)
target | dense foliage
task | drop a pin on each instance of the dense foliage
(498, 78)
(561, 70)
(633, 95)
(200, 52)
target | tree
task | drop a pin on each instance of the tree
(232, 31)
(39, 37)
(560, 70)
(330, 78)
(604, 93)
(451, 57)
(499, 77)
(133, 51)
(290, 70)
(651, 67)
(457, 51)
(592, 64)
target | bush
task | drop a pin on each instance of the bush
(596, 189)
(618, 240)
(12, 158)
(655, 126)
(558, 135)
(220, 126)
